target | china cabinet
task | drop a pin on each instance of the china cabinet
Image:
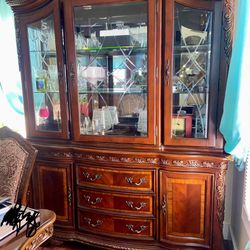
(123, 101)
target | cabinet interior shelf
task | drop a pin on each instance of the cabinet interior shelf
(111, 49)
(46, 92)
(113, 91)
(93, 50)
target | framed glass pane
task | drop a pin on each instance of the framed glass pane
(191, 71)
(44, 74)
(111, 52)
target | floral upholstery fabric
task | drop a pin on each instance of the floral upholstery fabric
(12, 162)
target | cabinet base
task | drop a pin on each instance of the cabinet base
(104, 242)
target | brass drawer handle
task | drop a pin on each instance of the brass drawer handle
(97, 200)
(88, 221)
(164, 205)
(131, 205)
(91, 178)
(131, 228)
(130, 180)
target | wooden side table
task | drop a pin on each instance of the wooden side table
(44, 232)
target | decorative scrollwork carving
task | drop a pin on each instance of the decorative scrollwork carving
(40, 238)
(18, 43)
(191, 163)
(228, 26)
(164, 205)
(220, 192)
(69, 195)
(17, 2)
(56, 154)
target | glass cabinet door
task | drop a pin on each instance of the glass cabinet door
(111, 76)
(191, 80)
(47, 114)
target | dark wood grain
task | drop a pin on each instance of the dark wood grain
(98, 185)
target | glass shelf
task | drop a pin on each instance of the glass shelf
(46, 92)
(114, 91)
(111, 50)
(49, 53)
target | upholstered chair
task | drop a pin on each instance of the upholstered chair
(17, 158)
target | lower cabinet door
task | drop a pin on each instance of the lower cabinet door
(186, 207)
(54, 190)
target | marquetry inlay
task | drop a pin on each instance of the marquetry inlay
(170, 203)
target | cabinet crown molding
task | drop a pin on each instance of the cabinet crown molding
(22, 6)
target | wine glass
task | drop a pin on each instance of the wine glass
(44, 113)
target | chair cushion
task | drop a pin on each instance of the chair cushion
(13, 160)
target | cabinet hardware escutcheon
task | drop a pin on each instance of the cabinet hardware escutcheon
(72, 73)
(91, 178)
(167, 72)
(130, 181)
(69, 196)
(88, 221)
(164, 205)
(97, 200)
(131, 228)
(131, 205)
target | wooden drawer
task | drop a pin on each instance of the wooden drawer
(122, 203)
(131, 179)
(115, 225)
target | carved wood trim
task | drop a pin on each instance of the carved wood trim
(18, 43)
(133, 160)
(18, 2)
(228, 27)
(95, 241)
(190, 163)
(220, 192)
(22, 6)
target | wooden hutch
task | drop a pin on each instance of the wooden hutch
(123, 100)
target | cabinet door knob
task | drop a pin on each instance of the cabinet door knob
(131, 205)
(131, 228)
(130, 180)
(88, 177)
(88, 221)
(88, 199)
(164, 205)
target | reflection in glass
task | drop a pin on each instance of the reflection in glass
(111, 50)
(44, 74)
(191, 69)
